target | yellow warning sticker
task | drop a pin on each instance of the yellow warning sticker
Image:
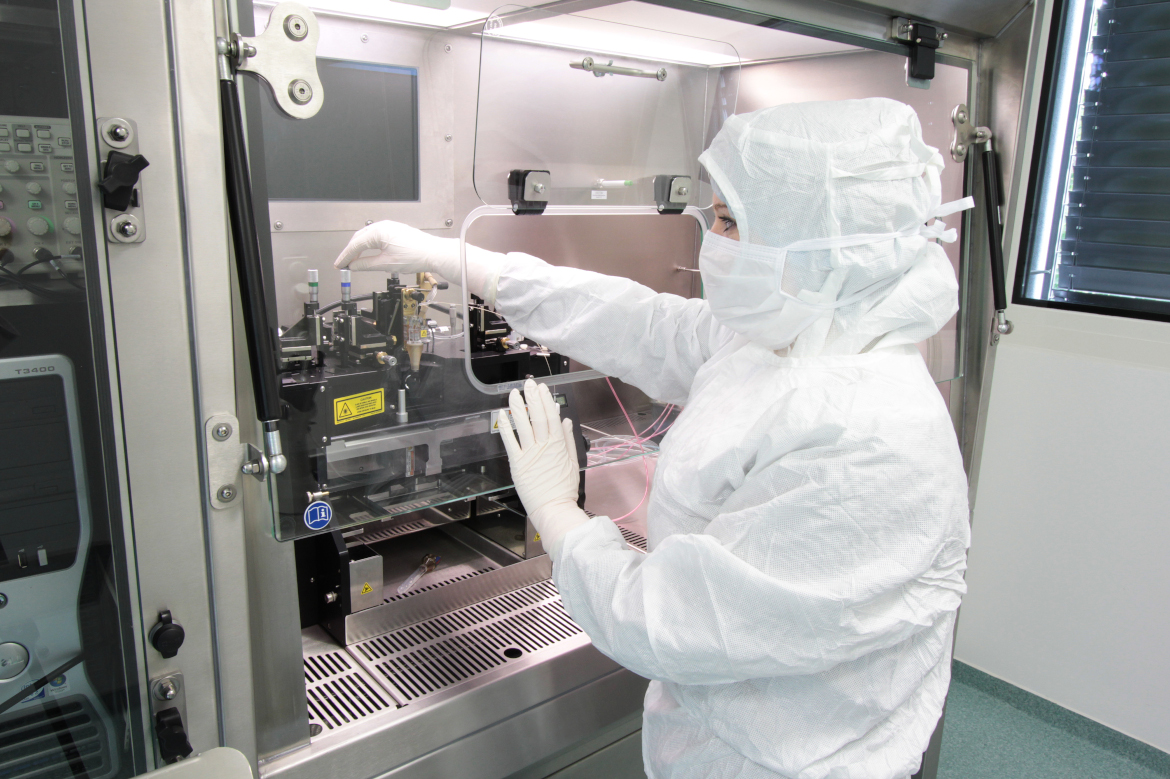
(536, 537)
(353, 407)
(367, 589)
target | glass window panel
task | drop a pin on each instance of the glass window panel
(1098, 234)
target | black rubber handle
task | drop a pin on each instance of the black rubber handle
(261, 337)
(992, 201)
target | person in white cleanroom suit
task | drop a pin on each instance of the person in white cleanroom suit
(808, 519)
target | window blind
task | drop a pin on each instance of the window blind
(1114, 248)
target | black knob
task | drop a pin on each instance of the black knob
(121, 176)
(172, 737)
(167, 635)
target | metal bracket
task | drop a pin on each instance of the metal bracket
(255, 463)
(224, 456)
(116, 134)
(285, 56)
(966, 134)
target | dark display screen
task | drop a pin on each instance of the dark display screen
(362, 146)
(39, 522)
(32, 71)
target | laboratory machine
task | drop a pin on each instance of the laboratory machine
(255, 501)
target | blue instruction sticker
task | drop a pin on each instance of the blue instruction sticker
(317, 515)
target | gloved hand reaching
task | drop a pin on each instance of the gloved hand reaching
(544, 463)
(404, 249)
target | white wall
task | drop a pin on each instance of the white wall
(1070, 559)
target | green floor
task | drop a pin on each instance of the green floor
(995, 731)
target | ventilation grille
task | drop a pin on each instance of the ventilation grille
(436, 585)
(58, 739)
(633, 539)
(372, 536)
(422, 659)
(339, 692)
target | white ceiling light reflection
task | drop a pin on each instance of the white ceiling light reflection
(598, 37)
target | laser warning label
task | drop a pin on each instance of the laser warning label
(353, 407)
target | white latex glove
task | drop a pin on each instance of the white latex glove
(404, 249)
(544, 464)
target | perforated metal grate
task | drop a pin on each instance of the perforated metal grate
(436, 585)
(422, 659)
(633, 539)
(339, 692)
(372, 536)
(61, 739)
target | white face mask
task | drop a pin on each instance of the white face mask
(741, 281)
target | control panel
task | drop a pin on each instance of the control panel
(39, 208)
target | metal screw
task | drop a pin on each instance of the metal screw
(449, 222)
(322, 387)
(3, 600)
(279, 225)
(295, 27)
(683, 191)
(252, 468)
(447, 138)
(222, 431)
(166, 690)
(227, 493)
(118, 132)
(538, 187)
(127, 229)
(331, 597)
(300, 91)
(447, 48)
(365, 39)
(369, 222)
(324, 439)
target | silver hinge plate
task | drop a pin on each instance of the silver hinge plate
(285, 56)
(225, 455)
(966, 134)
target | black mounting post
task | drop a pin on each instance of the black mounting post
(992, 200)
(261, 339)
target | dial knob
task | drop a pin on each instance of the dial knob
(33, 188)
(38, 225)
(69, 188)
(72, 225)
(5, 228)
(12, 166)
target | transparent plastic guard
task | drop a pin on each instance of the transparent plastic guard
(602, 108)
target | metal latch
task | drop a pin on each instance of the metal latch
(120, 185)
(285, 56)
(528, 190)
(168, 704)
(672, 193)
(923, 39)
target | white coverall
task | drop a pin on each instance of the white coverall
(808, 520)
